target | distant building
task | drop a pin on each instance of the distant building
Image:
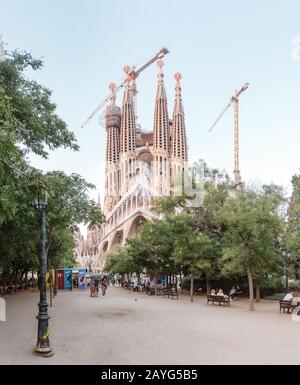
(140, 166)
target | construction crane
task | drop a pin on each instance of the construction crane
(235, 101)
(132, 74)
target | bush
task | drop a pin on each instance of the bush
(271, 285)
(295, 285)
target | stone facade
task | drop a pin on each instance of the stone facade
(140, 166)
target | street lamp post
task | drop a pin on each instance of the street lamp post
(285, 269)
(286, 255)
(43, 342)
(55, 283)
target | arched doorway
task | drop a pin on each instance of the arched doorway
(117, 240)
(135, 226)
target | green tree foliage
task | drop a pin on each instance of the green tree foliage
(253, 225)
(29, 124)
(293, 229)
(192, 248)
(232, 234)
(28, 109)
(68, 206)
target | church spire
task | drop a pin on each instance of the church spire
(112, 125)
(161, 135)
(113, 120)
(179, 143)
(128, 127)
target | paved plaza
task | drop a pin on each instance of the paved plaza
(128, 328)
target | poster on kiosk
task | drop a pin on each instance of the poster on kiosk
(81, 279)
(68, 279)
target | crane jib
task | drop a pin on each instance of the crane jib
(133, 75)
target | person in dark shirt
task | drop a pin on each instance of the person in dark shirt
(104, 286)
(96, 286)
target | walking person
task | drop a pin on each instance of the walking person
(96, 287)
(92, 288)
(104, 285)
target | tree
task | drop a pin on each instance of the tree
(192, 248)
(28, 109)
(293, 228)
(217, 186)
(251, 239)
(29, 123)
(120, 262)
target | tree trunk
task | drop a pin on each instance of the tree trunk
(192, 288)
(55, 284)
(251, 290)
(4, 284)
(16, 281)
(155, 285)
(50, 285)
(257, 295)
(26, 280)
(208, 286)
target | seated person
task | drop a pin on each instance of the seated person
(213, 292)
(296, 299)
(221, 294)
(289, 296)
(232, 292)
(238, 290)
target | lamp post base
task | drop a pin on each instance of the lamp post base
(43, 352)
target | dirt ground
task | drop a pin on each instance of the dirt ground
(128, 328)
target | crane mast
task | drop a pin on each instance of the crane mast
(235, 101)
(132, 75)
(237, 172)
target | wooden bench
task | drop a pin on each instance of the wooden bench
(286, 305)
(150, 291)
(225, 301)
(198, 291)
(237, 296)
(170, 292)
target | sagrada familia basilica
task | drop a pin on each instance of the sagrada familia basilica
(140, 166)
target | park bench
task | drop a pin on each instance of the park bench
(286, 305)
(150, 291)
(170, 292)
(198, 291)
(218, 299)
(237, 296)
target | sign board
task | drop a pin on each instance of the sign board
(68, 279)
(81, 279)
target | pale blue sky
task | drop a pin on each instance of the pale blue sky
(217, 45)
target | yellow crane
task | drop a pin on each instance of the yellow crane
(235, 101)
(132, 74)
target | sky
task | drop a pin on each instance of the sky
(217, 46)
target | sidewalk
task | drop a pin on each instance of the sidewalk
(132, 328)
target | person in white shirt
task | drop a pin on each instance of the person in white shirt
(296, 299)
(221, 294)
(289, 296)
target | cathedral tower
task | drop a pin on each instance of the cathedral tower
(179, 150)
(127, 137)
(161, 137)
(112, 126)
